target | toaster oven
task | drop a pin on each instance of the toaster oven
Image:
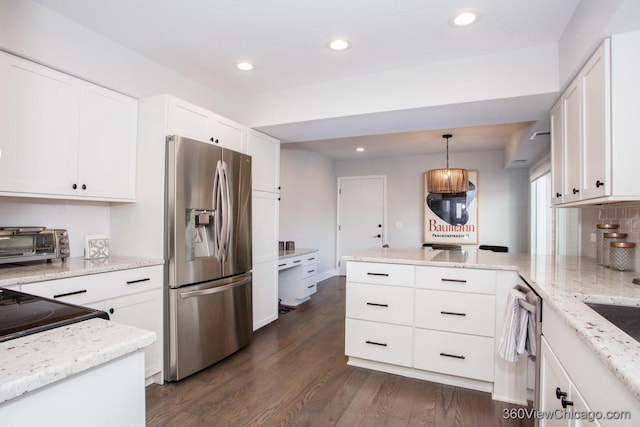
(23, 244)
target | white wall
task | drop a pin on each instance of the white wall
(503, 196)
(308, 203)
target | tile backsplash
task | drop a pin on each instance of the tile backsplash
(628, 216)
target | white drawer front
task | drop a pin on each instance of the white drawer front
(309, 286)
(455, 354)
(97, 287)
(388, 304)
(311, 258)
(381, 274)
(289, 262)
(456, 279)
(379, 342)
(309, 270)
(455, 312)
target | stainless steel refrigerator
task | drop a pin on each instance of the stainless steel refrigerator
(208, 255)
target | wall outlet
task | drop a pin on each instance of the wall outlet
(593, 237)
(398, 225)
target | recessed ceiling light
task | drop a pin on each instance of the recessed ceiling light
(339, 44)
(360, 149)
(464, 18)
(245, 66)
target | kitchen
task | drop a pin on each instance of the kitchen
(503, 188)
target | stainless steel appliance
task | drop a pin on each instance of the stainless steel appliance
(24, 244)
(534, 306)
(209, 305)
(23, 314)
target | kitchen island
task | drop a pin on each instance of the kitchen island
(564, 283)
(86, 373)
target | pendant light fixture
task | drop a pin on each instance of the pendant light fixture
(449, 180)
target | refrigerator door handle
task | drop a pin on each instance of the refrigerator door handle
(214, 290)
(226, 200)
(218, 206)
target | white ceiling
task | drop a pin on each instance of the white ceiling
(203, 39)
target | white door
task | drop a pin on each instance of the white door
(361, 209)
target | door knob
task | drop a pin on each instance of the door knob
(378, 236)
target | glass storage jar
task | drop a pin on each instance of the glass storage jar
(608, 239)
(623, 256)
(600, 230)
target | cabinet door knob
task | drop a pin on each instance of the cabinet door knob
(84, 186)
(599, 184)
(560, 393)
(212, 139)
(111, 310)
(564, 402)
(74, 186)
(558, 195)
(576, 191)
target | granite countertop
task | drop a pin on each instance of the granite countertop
(36, 360)
(564, 283)
(296, 252)
(77, 266)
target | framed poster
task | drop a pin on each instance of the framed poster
(452, 218)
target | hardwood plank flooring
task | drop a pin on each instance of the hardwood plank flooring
(295, 373)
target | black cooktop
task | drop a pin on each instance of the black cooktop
(24, 314)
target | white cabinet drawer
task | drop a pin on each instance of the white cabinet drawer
(379, 342)
(96, 287)
(456, 279)
(388, 304)
(309, 286)
(455, 354)
(311, 258)
(289, 262)
(381, 274)
(309, 270)
(455, 312)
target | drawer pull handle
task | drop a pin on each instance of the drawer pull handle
(310, 259)
(311, 271)
(376, 343)
(456, 356)
(454, 280)
(311, 286)
(83, 291)
(297, 261)
(377, 305)
(282, 265)
(378, 274)
(131, 282)
(453, 313)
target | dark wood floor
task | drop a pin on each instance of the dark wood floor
(295, 374)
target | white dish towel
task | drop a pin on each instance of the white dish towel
(514, 333)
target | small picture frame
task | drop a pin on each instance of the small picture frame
(96, 247)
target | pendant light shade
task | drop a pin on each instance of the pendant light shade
(449, 180)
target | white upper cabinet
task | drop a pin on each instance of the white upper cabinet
(107, 149)
(265, 153)
(64, 137)
(229, 134)
(191, 121)
(38, 118)
(593, 129)
(557, 178)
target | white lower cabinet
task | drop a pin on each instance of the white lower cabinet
(570, 371)
(132, 297)
(426, 322)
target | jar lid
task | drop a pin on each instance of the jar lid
(622, 245)
(615, 235)
(608, 226)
